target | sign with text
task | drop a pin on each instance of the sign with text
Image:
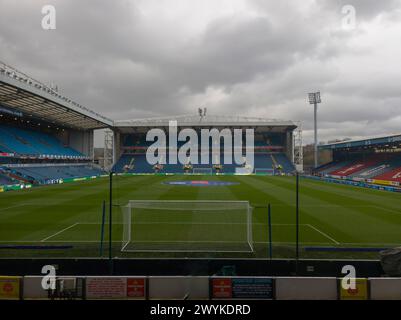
(242, 288)
(9, 287)
(359, 293)
(136, 288)
(115, 288)
(221, 288)
(252, 288)
(106, 288)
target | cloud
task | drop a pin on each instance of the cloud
(135, 59)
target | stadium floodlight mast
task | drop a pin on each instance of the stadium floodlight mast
(314, 98)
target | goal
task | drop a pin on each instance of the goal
(202, 171)
(187, 226)
(264, 171)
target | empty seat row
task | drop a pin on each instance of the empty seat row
(44, 174)
(33, 143)
(137, 163)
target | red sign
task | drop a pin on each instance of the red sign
(222, 288)
(136, 288)
(4, 154)
(8, 287)
(200, 182)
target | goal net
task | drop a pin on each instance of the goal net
(187, 226)
(264, 171)
(202, 171)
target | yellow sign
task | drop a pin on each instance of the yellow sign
(9, 288)
(359, 293)
(383, 182)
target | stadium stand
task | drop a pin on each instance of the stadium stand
(393, 175)
(263, 161)
(33, 143)
(137, 163)
(332, 166)
(33, 156)
(384, 167)
(284, 162)
(373, 161)
(352, 168)
(5, 180)
(371, 171)
(47, 173)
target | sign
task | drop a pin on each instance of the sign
(359, 293)
(5, 154)
(252, 288)
(221, 288)
(242, 288)
(9, 288)
(115, 288)
(106, 288)
(136, 288)
(201, 183)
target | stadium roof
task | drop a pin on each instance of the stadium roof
(206, 121)
(366, 142)
(25, 95)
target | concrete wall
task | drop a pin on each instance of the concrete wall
(306, 288)
(289, 146)
(81, 141)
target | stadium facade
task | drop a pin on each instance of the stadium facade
(46, 137)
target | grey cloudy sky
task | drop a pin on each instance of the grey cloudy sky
(145, 58)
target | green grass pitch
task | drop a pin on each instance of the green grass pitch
(330, 216)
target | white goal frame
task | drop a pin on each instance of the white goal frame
(201, 171)
(267, 171)
(127, 223)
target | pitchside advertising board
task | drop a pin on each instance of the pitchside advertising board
(241, 288)
(10, 288)
(115, 288)
(360, 292)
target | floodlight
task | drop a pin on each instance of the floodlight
(314, 98)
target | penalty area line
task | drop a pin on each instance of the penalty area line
(322, 233)
(16, 206)
(57, 233)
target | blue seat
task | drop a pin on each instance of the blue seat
(33, 143)
(44, 174)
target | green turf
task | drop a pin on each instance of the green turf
(331, 215)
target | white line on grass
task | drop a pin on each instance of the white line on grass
(362, 244)
(385, 209)
(195, 223)
(18, 205)
(57, 233)
(322, 233)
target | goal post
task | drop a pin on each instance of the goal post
(187, 226)
(202, 171)
(264, 171)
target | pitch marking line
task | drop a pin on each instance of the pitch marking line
(88, 223)
(322, 233)
(198, 223)
(373, 244)
(18, 205)
(57, 233)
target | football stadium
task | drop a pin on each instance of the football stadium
(56, 203)
(162, 190)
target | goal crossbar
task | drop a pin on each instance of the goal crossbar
(187, 226)
(202, 170)
(266, 171)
